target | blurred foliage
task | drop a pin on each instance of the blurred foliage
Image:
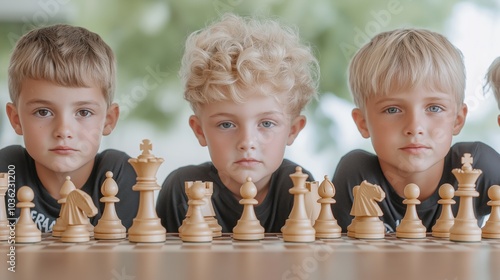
(148, 36)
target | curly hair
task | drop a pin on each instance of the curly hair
(65, 55)
(493, 79)
(405, 58)
(231, 56)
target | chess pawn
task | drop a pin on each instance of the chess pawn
(446, 219)
(492, 227)
(26, 229)
(351, 227)
(196, 229)
(411, 226)
(248, 226)
(465, 227)
(326, 225)
(109, 225)
(60, 225)
(187, 185)
(298, 226)
(4, 223)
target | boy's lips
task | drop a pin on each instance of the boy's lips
(415, 148)
(62, 150)
(247, 161)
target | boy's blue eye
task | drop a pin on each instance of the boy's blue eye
(392, 110)
(435, 109)
(226, 125)
(267, 124)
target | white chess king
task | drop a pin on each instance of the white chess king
(465, 227)
(146, 226)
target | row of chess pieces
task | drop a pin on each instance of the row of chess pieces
(200, 224)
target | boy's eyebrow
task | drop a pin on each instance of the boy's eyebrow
(268, 113)
(48, 102)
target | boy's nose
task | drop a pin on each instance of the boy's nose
(247, 140)
(63, 129)
(414, 125)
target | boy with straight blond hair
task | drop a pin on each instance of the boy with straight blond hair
(408, 86)
(247, 81)
(61, 84)
(493, 81)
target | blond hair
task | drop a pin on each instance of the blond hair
(65, 55)
(229, 57)
(403, 59)
(493, 79)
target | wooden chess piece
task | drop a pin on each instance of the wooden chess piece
(208, 210)
(465, 227)
(411, 226)
(109, 225)
(196, 229)
(26, 229)
(60, 225)
(4, 223)
(352, 226)
(446, 219)
(187, 185)
(146, 226)
(367, 212)
(248, 226)
(311, 200)
(298, 226)
(326, 225)
(492, 227)
(79, 207)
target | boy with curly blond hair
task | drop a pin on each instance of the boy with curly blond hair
(247, 81)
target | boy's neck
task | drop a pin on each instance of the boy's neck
(427, 181)
(53, 181)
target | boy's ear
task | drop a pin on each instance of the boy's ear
(460, 119)
(360, 120)
(112, 115)
(297, 125)
(195, 124)
(13, 116)
(498, 120)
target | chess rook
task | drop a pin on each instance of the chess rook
(492, 227)
(4, 223)
(446, 219)
(465, 227)
(26, 229)
(146, 226)
(298, 226)
(109, 225)
(208, 210)
(248, 226)
(411, 226)
(326, 225)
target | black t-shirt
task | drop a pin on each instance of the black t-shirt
(272, 212)
(16, 159)
(359, 165)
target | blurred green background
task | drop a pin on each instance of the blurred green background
(148, 36)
